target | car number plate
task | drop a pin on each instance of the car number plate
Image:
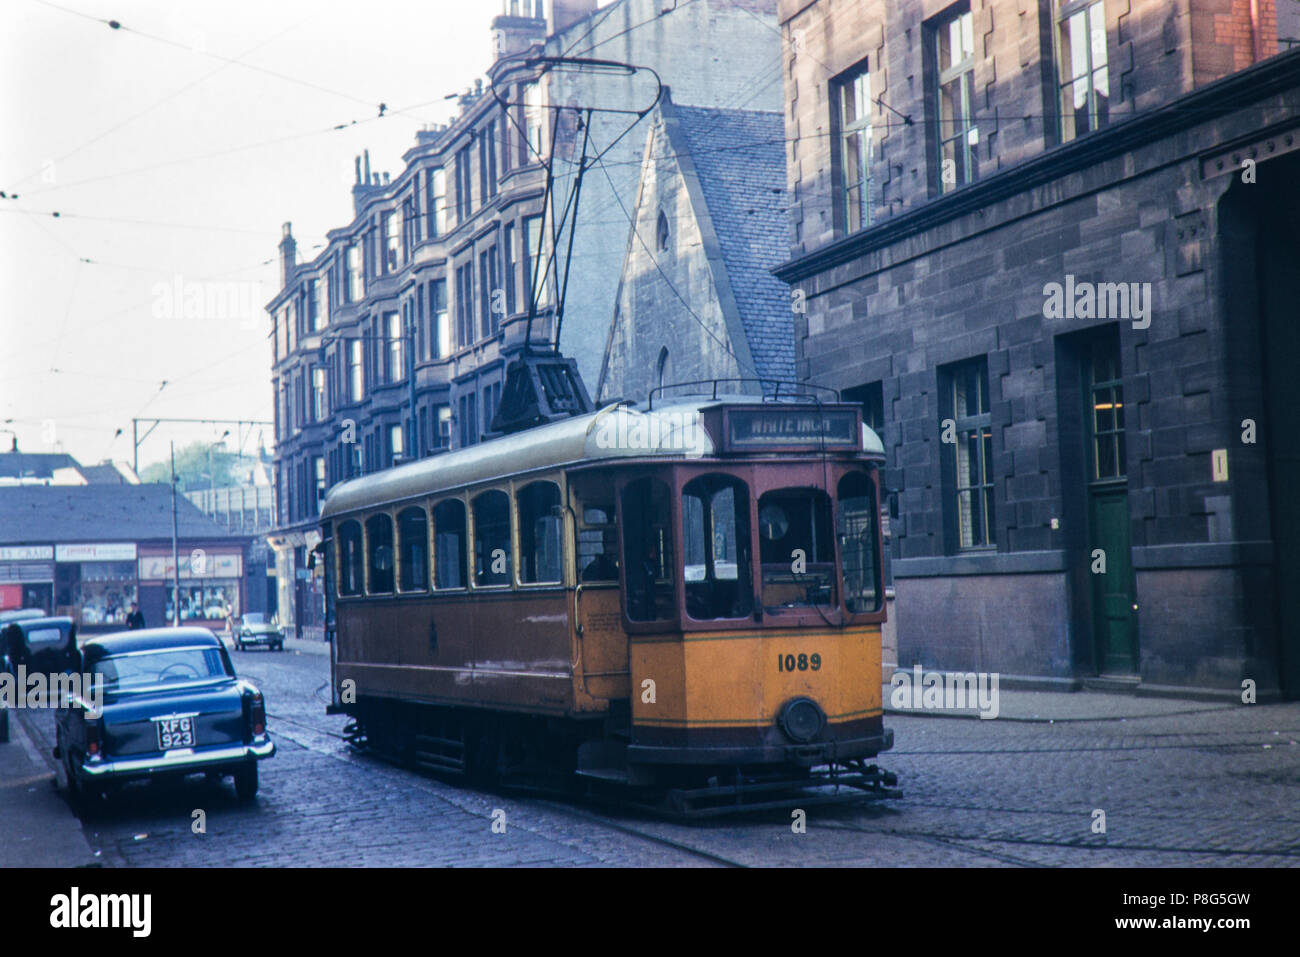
(175, 733)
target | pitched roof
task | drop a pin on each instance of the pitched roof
(34, 465)
(31, 514)
(739, 159)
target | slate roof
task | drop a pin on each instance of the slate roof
(739, 159)
(35, 465)
(45, 514)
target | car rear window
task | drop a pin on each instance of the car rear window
(160, 667)
(254, 620)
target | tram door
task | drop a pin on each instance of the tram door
(1111, 563)
(597, 617)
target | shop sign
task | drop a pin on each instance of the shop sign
(159, 567)
(26, 553)
(113, 552)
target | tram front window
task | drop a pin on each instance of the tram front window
(796, 549)
(715, 545)
(647, 550)
(858, 543)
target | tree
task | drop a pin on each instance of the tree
(192, 468)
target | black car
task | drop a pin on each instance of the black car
(6, 617)
(171, 705)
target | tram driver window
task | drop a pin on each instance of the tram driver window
(858, 543)
(350, 559)
(379, 553)
(413, 542)
(449, 544)
(647, 550)
(715, 546)
(796, 549)
(539, 532)
(492, 538)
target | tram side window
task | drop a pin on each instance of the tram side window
(796, 549)
(492, 538)
(598, 543)
(647, 550)
(539, 532)
(715, 544)
(379, 553)
(449, 544)
(858, 542)
(413, 541)
(350, 559)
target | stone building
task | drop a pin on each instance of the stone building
(392, 342)
(1051, 246)
(697, 300)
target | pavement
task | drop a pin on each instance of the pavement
(37, 829)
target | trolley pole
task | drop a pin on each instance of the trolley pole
(176, 564)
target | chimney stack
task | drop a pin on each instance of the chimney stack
(288, 255)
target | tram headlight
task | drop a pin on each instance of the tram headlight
(801, 719)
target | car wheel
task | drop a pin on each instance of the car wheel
(84, 799)
(239, 645)
(279, 646)
(246, 781)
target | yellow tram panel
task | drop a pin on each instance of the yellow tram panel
(731, 679)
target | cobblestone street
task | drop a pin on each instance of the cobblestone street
(1205, 785)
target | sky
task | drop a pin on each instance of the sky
(173, 148)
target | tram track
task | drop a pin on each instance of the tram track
(517, 793)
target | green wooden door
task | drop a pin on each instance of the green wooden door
(1110, 558)
(1112, 589)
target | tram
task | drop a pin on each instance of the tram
(681, 600)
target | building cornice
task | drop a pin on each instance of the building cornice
(1223, 96)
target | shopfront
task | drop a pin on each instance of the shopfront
(27, 577)
(96, 583)
(211, 585)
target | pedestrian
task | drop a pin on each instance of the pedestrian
(135, 619)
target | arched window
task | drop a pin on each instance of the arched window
(379, 553)
(413, 543)
(858, 542)
(648, 550)
(539, 532)
(663, 368)
(661, 233)
(351, 563)
(492, 538)
(449, 544)
(715, 547)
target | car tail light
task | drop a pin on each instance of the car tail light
(257, 713)
(92, 738)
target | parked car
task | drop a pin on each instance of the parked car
(254, 629)
(41, 643)
(172, 706)
(29, 637)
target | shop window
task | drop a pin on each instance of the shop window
(449, 544)
(413, 540)
(539, 532)
(492, 538)
(379, 553)
(796, 550)
(647, 550)
(859, 543)
(715, 548)
(106, 592)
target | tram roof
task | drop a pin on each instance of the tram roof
(673, 429)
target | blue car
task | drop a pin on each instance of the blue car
(171, 705)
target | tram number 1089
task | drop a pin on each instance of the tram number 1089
(798, 662)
